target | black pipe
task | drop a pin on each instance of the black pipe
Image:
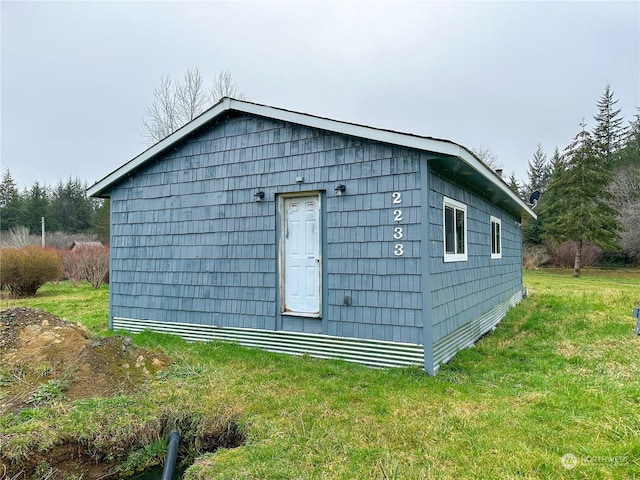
(172, 455)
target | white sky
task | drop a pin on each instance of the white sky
(77, 76)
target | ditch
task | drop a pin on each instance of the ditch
(48, 362)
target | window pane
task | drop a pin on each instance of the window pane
(460, 231)
(497, 238)
(493, 237)
(449, 231)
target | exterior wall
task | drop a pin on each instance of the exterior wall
(190, 245)
(470, 297)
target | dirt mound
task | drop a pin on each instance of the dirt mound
(44, 358)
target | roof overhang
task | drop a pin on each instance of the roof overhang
(454, 157)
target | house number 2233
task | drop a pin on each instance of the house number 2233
(398, 232)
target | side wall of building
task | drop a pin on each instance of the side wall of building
(470, 297)
(191, 245)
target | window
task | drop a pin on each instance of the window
(496, 238)
(455, 231)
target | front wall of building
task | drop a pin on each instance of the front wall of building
(190, 244)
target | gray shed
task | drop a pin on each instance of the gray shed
(300, 234)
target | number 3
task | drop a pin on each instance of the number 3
(398, 250)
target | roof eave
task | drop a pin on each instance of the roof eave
(444, 147)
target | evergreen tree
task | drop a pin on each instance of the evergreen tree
(35, 206)
(70, 210)
(10, 203)
(608, 134)
(556, 165)
(630, 152)
(577, 209)
(100, 223)
(539, 171)
(514, 185)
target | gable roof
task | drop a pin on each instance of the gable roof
(455, 158)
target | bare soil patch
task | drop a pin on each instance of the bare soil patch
(38, 348)
(45, 359)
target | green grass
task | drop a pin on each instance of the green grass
(81, 303)
(559, 376)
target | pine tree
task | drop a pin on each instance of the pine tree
(630, 152)
(556, 164)
(539, 171)
(100, 223)
(10, 203)
(70, 210)
(577, 208)
(608, 134)
(514, 185)
(35, 206)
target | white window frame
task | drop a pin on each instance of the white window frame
(496, 246)
(456, 256)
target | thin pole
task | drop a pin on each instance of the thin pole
(43, 243)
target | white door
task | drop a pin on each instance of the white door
(301, 256)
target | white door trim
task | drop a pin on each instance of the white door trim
(312, 260)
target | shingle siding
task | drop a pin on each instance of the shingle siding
(190, 244)
(192, 250)
(192, 253)
(463, 291)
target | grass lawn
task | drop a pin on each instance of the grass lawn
(81, 303)
(553, 393)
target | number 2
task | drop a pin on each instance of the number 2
(397, 197)
(397, 215)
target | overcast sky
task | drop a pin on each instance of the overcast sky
(78, 76)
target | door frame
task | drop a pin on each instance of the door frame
(281, 255)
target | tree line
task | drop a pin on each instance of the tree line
(589, 193)
(64, 206)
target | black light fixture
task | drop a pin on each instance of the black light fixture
(259, 196)
(340, 190)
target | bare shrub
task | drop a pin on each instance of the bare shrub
(71, 267)
(564, 255)
(59, 240)
(25, 270)
(18, 237)
(88, 262)
(625, 198)
(535, 256)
